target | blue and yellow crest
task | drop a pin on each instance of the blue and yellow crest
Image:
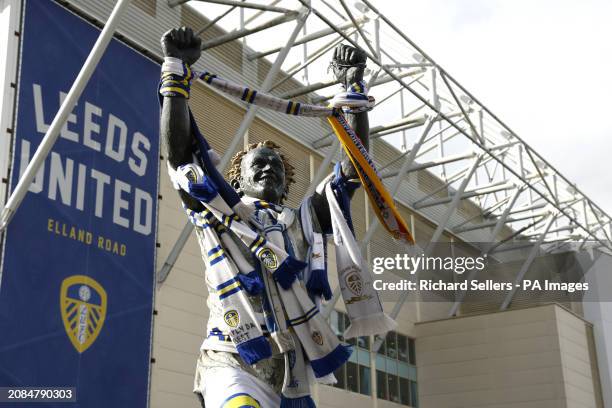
(83, 307)
(232, 318)
(269, 259)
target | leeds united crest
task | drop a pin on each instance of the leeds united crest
(83, 307)
(354, 283)
(232, 318)
(317, 338)
(268, 258)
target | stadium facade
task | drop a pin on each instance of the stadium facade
(547, 351)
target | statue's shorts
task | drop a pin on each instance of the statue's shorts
(231, 386)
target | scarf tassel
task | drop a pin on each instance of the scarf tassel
(377, 323)
(318, 284)
(254, 350)
(288, 271)
(251, 282)
(204, 191)
(332, 361)
(301, 402)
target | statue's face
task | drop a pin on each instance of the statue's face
(262, 175)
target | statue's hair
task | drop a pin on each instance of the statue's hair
(234, 171)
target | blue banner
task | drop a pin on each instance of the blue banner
(77, 278)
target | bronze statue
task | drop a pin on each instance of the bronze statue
(260, 172)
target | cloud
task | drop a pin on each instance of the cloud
(541, 66)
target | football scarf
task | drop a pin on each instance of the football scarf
(381, 200)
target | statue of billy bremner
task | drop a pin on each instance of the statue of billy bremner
(263, 260)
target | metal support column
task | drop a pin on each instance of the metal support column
(322, 170)
(500, 223)
(527, 263)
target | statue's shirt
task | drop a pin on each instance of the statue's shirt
(217, 349)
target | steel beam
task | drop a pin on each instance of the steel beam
(494, 247)
(529, 208)
(525, 267)
(179, 244)
(322, 170)
(486, 213)
(529, 244)
(542, 175)
(472, 193)
(310, 37)
(432, 163)
(214, 21)
(417, 65)
(243, 4)
(458, 102)
(309, 88)
(597, 216)
(494, 223)
(256, 15)
(234, 35)
(554, 231)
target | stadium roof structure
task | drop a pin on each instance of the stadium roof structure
(441, 126)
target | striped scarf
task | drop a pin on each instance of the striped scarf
(353, 100)
(291, 319)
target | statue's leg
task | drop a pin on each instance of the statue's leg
(201, 399)
(223, 384)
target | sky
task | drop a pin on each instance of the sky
(544, 67)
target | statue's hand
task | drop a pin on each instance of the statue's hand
(182, 43)
(348, 64)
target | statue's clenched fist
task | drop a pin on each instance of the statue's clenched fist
(182, 43)
(348, 64)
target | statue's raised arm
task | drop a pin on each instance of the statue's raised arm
(348, 65)
(180, 44)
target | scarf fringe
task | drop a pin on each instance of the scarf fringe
(329, 379)
(377, 323)
(318, 284)
(204, 191)
(301, 402)
(288, 272)
(251, 282)
(332, 361)
(254, 350)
